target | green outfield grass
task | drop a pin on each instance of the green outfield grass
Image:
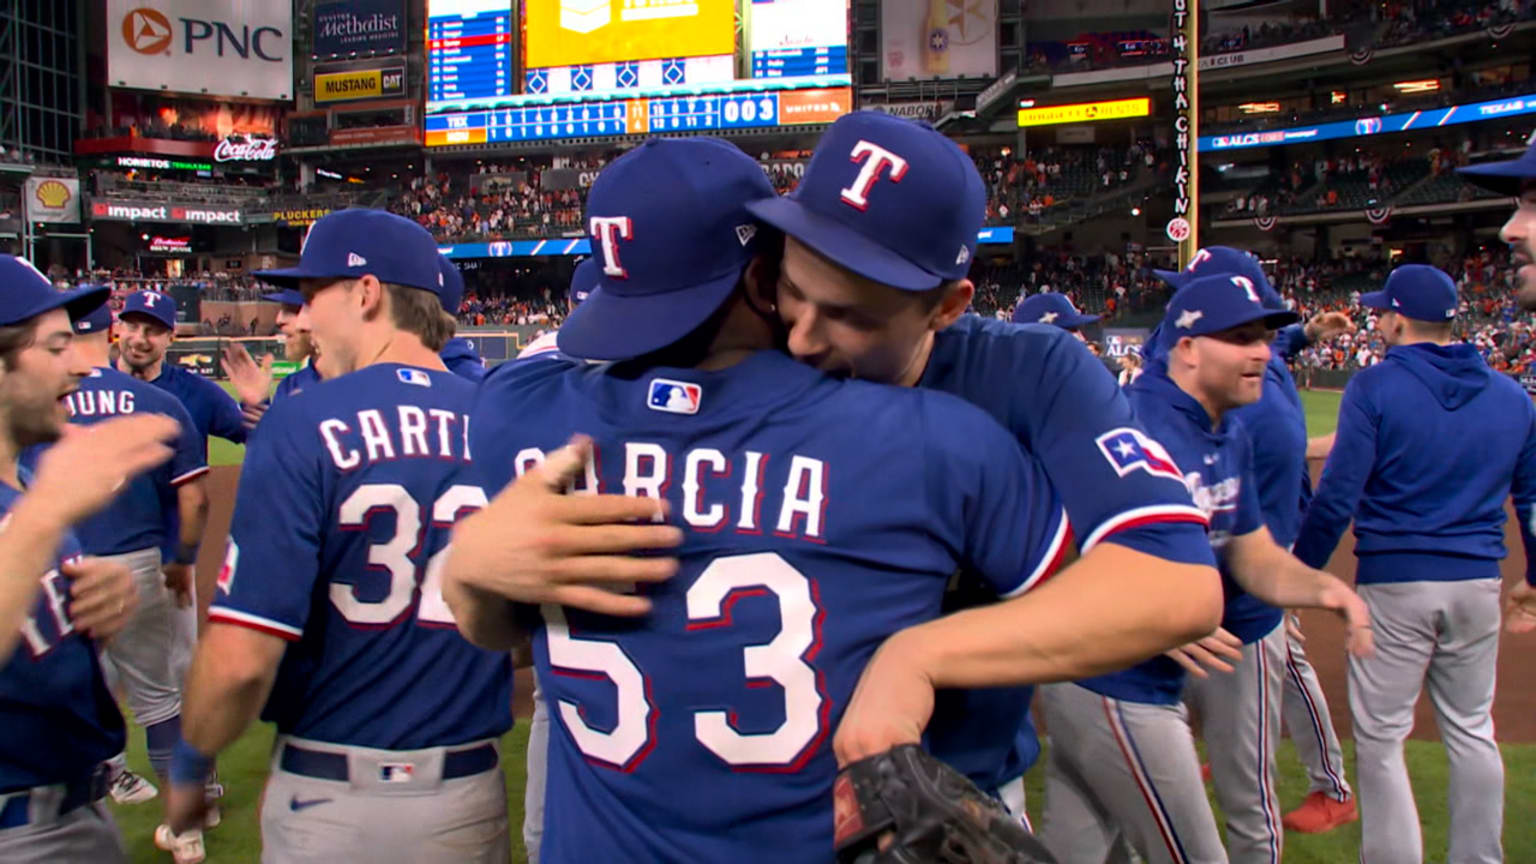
(1322, 407)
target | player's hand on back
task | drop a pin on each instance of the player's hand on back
(534, 544)
(83, 471)
(1213, 652)
(1520, 608)
(102, 596)
(252, 380)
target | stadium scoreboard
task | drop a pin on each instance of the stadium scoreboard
(595, 68)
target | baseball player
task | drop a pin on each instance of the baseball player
(61, 723)
(1277, 426)
(149, 658)
(329, 609)
(458, 354)
(146, 328)
(583, 280)
(1517, 179)
(1430, 443)
(700, 731)
(252, 380)
(1122, 759)
(1053, 309)
(881, 232)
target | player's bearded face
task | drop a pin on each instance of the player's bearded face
(1232, 362)
(46, 372)
(1520, 233)
(298, 343)
(847, 325)
(143, 343)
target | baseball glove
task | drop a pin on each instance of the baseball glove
(921, 811)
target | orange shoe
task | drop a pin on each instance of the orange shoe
(1321, 812)
(1205, 771)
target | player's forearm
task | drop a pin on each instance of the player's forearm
(225, 691)
(1275, 576)
(484, 619)
(1112, 609)
(192, 504)
(27, 545)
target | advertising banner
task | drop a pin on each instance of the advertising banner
(53, 199)
(360, 84)
(359, 27)
(1120, 341)
(212, 47)
(938, 39)
(580, 32)
(374, 136)
(1085, 112)
(126, 210)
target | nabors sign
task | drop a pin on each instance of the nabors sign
(245, 148)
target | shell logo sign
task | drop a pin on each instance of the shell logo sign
(52, 194)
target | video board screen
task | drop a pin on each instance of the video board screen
(792, 38)
(624, 67)
(469, 50)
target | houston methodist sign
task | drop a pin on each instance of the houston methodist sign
(213, 47)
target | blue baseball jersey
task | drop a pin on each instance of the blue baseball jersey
(1044, 385)
(820, 517)
(1430, 443)
(137, 517)
(1217, 466)
(340, 531)
(58, 718)
(292, 385)
(213, 411)
(1277, 426)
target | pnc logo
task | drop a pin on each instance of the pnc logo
(147, 31)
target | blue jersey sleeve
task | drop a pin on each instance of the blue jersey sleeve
(1013, 528)
(225, 419)
(189, 460)
(1523, 489)
(273, 557)
(1290, 341)
(1079, 414)
(1344, 475)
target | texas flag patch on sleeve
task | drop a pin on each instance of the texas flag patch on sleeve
(1129, 449)
(674, 397)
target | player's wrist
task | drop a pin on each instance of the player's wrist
(188, 764)
(185, 555)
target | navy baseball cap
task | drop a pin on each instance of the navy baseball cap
(1504, 177)
(28, 293)
(350, 244)
(890, 199)
(287, 297)
(1051, 308)
(1217, 260)
(151, 304)
(584, 280)
(1419, 291)
(670, 236)
(1211, 304)
(452, 291)
(98, 320)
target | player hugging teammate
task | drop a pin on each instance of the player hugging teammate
(728, 505)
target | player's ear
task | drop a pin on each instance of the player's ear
(953, 302)
(371, 295)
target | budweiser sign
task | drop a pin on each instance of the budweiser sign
(245, 149)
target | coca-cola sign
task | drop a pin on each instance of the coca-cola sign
(245, 148)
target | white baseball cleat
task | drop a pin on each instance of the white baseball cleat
(185, 848)
(129, 788)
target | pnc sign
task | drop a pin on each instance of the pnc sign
(235, 48)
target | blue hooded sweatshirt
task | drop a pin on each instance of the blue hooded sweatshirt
(1429, 444)
(460, 358)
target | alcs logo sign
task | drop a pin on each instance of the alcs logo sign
(148, 31)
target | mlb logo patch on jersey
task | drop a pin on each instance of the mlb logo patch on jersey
(397, 772)
(1129, 449)
(414, 376)
(674, 397)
